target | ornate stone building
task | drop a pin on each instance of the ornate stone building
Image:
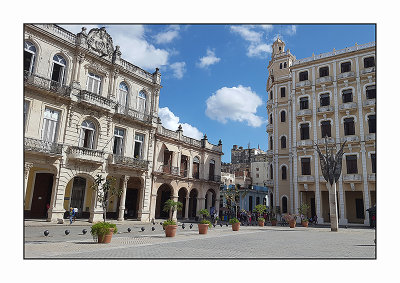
(333, 96)
(87, 111)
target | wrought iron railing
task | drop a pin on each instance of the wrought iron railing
(46, 84)
(96, 99)
(124, 110)
(168, 169)
(131, 162)
(42, 146)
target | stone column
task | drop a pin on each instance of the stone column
(217, 200)
(186, 216)
(27, 169)
(96, 210)
(209, 200)
(123, 198)
(174, 215)
(81, 57)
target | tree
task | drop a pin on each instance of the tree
(170, 206)
(232, 193)
(105, 190)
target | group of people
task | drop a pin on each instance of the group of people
(247, 216)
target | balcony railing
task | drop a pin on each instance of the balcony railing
(40, 146)
(168, 169)
(214, 178)
(191, 141)
(330, 140)
(96, 99)
(368, 70)
(304, 112)
(326, 79)
(125, 161)
(184, 173)
(372, 177)
(325, 109)
(136, 115)
(303, 143)
(351, 178)
(85, 154)
(369, 103)
(47, 84)
(348, 106)
(303, 83)
(305, 179)
(168, 133)
(350, 139)
(370, 137)
(58, 31)
(345, 75)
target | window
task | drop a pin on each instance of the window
(349, 128)
(324, 99)
(280, 66)
(88, 131)
(326, 129)
(305, 166)
(211, 170)
(271, 96)
(138, 151)
(196, 166)
(26, 110)
(303, 76)
(369, 62)
(372, 123)
(271, 172)
(122, 94)
(284, 65)
(118, 141)
(303, 103)
(345, 67)
(284, 173)
(142, 102)
(270, 143)
(360, 208)
(284, 205)
(50, 125)
(351, 164)
(283, 116)
(257, 175)
(323, 72)
(93, 83)
(370, 92)
(304, 131)
(29, 56)
(347, 95)
(283, 142)
(59, 65)
(283, 91)
(257, 169)
(270, 119)
(373, 162)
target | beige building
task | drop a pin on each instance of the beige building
(87, 111)
(329, 95)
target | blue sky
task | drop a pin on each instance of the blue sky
(214, 76)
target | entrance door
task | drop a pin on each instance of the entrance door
(360, 208)
(165, 195)
(78, 195)
(313, 207)
(131, 203)
(41, 195)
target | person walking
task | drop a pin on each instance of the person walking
(71, 215)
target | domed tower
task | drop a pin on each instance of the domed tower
(279, 125)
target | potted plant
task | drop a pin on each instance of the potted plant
(260, 209)
(273, 219)
(291, 218)
(170, 225)
(303, 210)
(235, 224)
(204, 223)
(103, 231)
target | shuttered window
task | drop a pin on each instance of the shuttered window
(50, 125)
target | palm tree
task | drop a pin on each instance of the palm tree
(170, 206)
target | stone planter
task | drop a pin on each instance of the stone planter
(170, 230)
(203, 228)
(105, 239)
(235, 226)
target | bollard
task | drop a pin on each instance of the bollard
(142, 229)
(84, 231)
(153, 228)
(46, 233)
(66, 232)
(129, 230)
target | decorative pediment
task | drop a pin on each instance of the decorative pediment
(100, 42)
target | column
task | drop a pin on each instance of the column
(294, 128)
(217, 200)
(27, 169)
(96, 210)
(174, 215)
(186, 216)
(209, 200)
(123, 198)
(200, 205)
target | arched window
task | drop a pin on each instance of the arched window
(284, 205)
(29, 56)
(271, 172)
(211, 171)
(142, 102)
(196, 167)
(270, 143)
(283, 142)
(283, 116)
(59, 65)
(284, 65)
(122, 94)
(280, 66)
(284, 173)
(87, 136)
(270, 119)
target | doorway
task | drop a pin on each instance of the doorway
(41, 195)
(131, 204)
(78, 195)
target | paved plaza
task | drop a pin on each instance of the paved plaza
(220, 243)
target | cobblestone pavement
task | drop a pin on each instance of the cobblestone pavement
(220, 242)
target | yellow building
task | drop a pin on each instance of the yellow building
(329, 95)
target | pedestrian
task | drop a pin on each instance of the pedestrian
(47, 210)
(71, 215)
(75, 213)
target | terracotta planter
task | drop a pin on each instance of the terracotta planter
(170, 230)
(292, 223)
(304, 223)
(273, 222)
(105, 239)
(235, 226)
(203, 228)
(261, 223)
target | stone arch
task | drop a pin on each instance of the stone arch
(164, 192)
(210, 199)
(183, 194)
(193, 195)
(133, 197)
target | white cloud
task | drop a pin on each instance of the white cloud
(247, 33)
(208, 60)
(171, 122)
(179, 68)
(258, 50)
(291, 30)
(168, 35)
(236, 103)
(255, 35)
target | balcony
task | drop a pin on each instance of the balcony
(368, 70)
(269, 183)
(323, 141)
(351, 139)
(270, 128)
(372, 177)
(42, 147)
(304, 143)
(348, 106)
(326, 79)
(304, 113)
(85, 154)
(325, 109)
(352, 178)
(133, 114)
(168, 169)
(214, 178)
(305, 179)
(369, 103)
(129, 162)
(345, 75)
(270, 102)
(303, 83)
(47, 84)
(95, 100)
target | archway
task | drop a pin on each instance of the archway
(77, 197)
(164, 193)
(41, 195)
(132, 199)
(210, 200)
(182, 198)
(193, 203)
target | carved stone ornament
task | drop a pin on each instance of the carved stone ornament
(100, 42)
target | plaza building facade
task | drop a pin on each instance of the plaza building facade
(88, 112)
(327, 98)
